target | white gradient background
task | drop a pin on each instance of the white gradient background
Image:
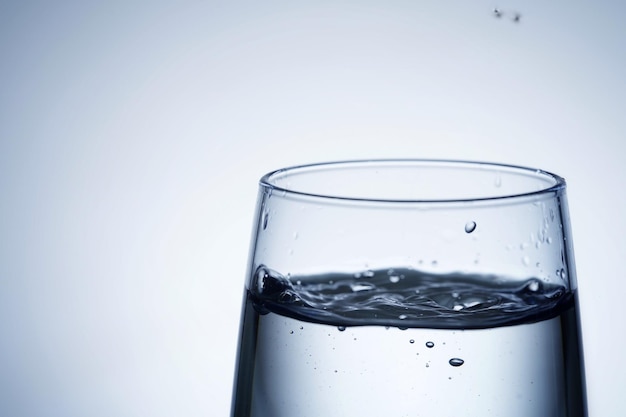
(132, 136)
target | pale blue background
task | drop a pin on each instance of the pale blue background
(132, 135)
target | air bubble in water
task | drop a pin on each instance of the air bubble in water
(402, 316)
(470, 227)
(411, 341)
(394, 279)
(456, 361)
(533, 285)
(430, 344)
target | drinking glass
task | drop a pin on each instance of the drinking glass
(410, 288)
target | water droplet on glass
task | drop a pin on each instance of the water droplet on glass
(434, 263)
(498, 181)
(341, 328)
(456, 361)
(295, 235)
(402, 316)
(470, 227)
(533, 285)
(427, 365)
(549, 240)
(394, 279)
(526, 260)
(368, 273)
(291, 332)
(430, 344)
(562, 273)
(411, 341)
(266, 217)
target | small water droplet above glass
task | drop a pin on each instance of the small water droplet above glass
(456, 361)
(470, 226)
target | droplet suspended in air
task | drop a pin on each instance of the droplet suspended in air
(456, 361)
(470, 226)
(430, 344)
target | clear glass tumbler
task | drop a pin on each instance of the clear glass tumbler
(410, 288)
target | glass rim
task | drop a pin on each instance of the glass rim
(269, 180)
